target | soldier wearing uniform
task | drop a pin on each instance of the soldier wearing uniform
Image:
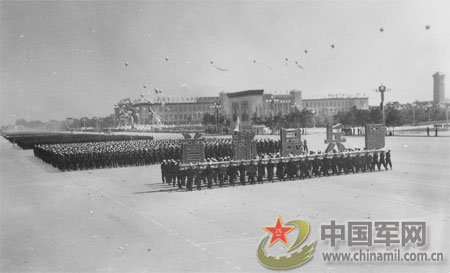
(357, 162)
(316, 164)
(375, 161)
(261, 171)
(291, 169)
(308, 164)
(270, 167)
(280, 170)
(208, 175)
(180, 175)
(222, 171)
(370, 163)
(163, 171)
(335, 165)
(190, 177)
(348, 164)
(198, 177)
(231, 171)
(251, 172)
(325, 165)
(388, 160)
(382, 162)
(242, 169)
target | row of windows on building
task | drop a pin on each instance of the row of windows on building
(329, 103)
(182, 117)
(185, 108)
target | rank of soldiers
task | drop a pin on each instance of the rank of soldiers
(111, 154)
(29, 140)
(270, 168)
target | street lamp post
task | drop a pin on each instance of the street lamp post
(382, 89)
(216, 106)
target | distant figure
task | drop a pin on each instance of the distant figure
(428, 131)
(436, 131)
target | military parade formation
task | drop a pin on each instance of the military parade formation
(220, 167)
(113, 154)
(30, 140)
(270, 168)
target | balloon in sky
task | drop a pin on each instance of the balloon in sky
(299, 65)
(263, 64)
(167, 59)
(145, 86)
(218, 68)
(332, 45)
(306, 51)
(126, 63)
(381, 29)
(427, 27)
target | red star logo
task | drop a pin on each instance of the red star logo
(278, 232)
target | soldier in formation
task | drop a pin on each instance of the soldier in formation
(264, 168)
(139, 152)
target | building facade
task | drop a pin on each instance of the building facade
(234, 106)
(167, 111)
(332, 106)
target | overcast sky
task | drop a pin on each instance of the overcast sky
(67, 58)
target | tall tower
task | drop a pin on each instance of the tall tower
(438, 88)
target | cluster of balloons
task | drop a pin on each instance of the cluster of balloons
(286, 61)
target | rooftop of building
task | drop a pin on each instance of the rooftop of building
(246, 93)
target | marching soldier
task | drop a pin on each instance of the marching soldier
(190, 177)
(370, 163)
(270, 167)
(242, 169)
(316, 164)
(375, 161)
(251, 172)
(198, 177)
(222, 171)
(357, 162)
(180, 175)
(163, 171)
(303, 168)
(261, 171)
(366, 162)
(280, 170)
(325, 165)
(208, 175)
(291, 169)
(335, 165)
(349, 164)
(231, 171)
(388, 160)
(382, 162)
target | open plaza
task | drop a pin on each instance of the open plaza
(126, 220)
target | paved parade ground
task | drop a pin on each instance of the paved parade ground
(126, 220)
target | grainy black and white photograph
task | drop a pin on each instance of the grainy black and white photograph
(224, 136)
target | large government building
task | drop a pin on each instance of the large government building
(242, 106)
